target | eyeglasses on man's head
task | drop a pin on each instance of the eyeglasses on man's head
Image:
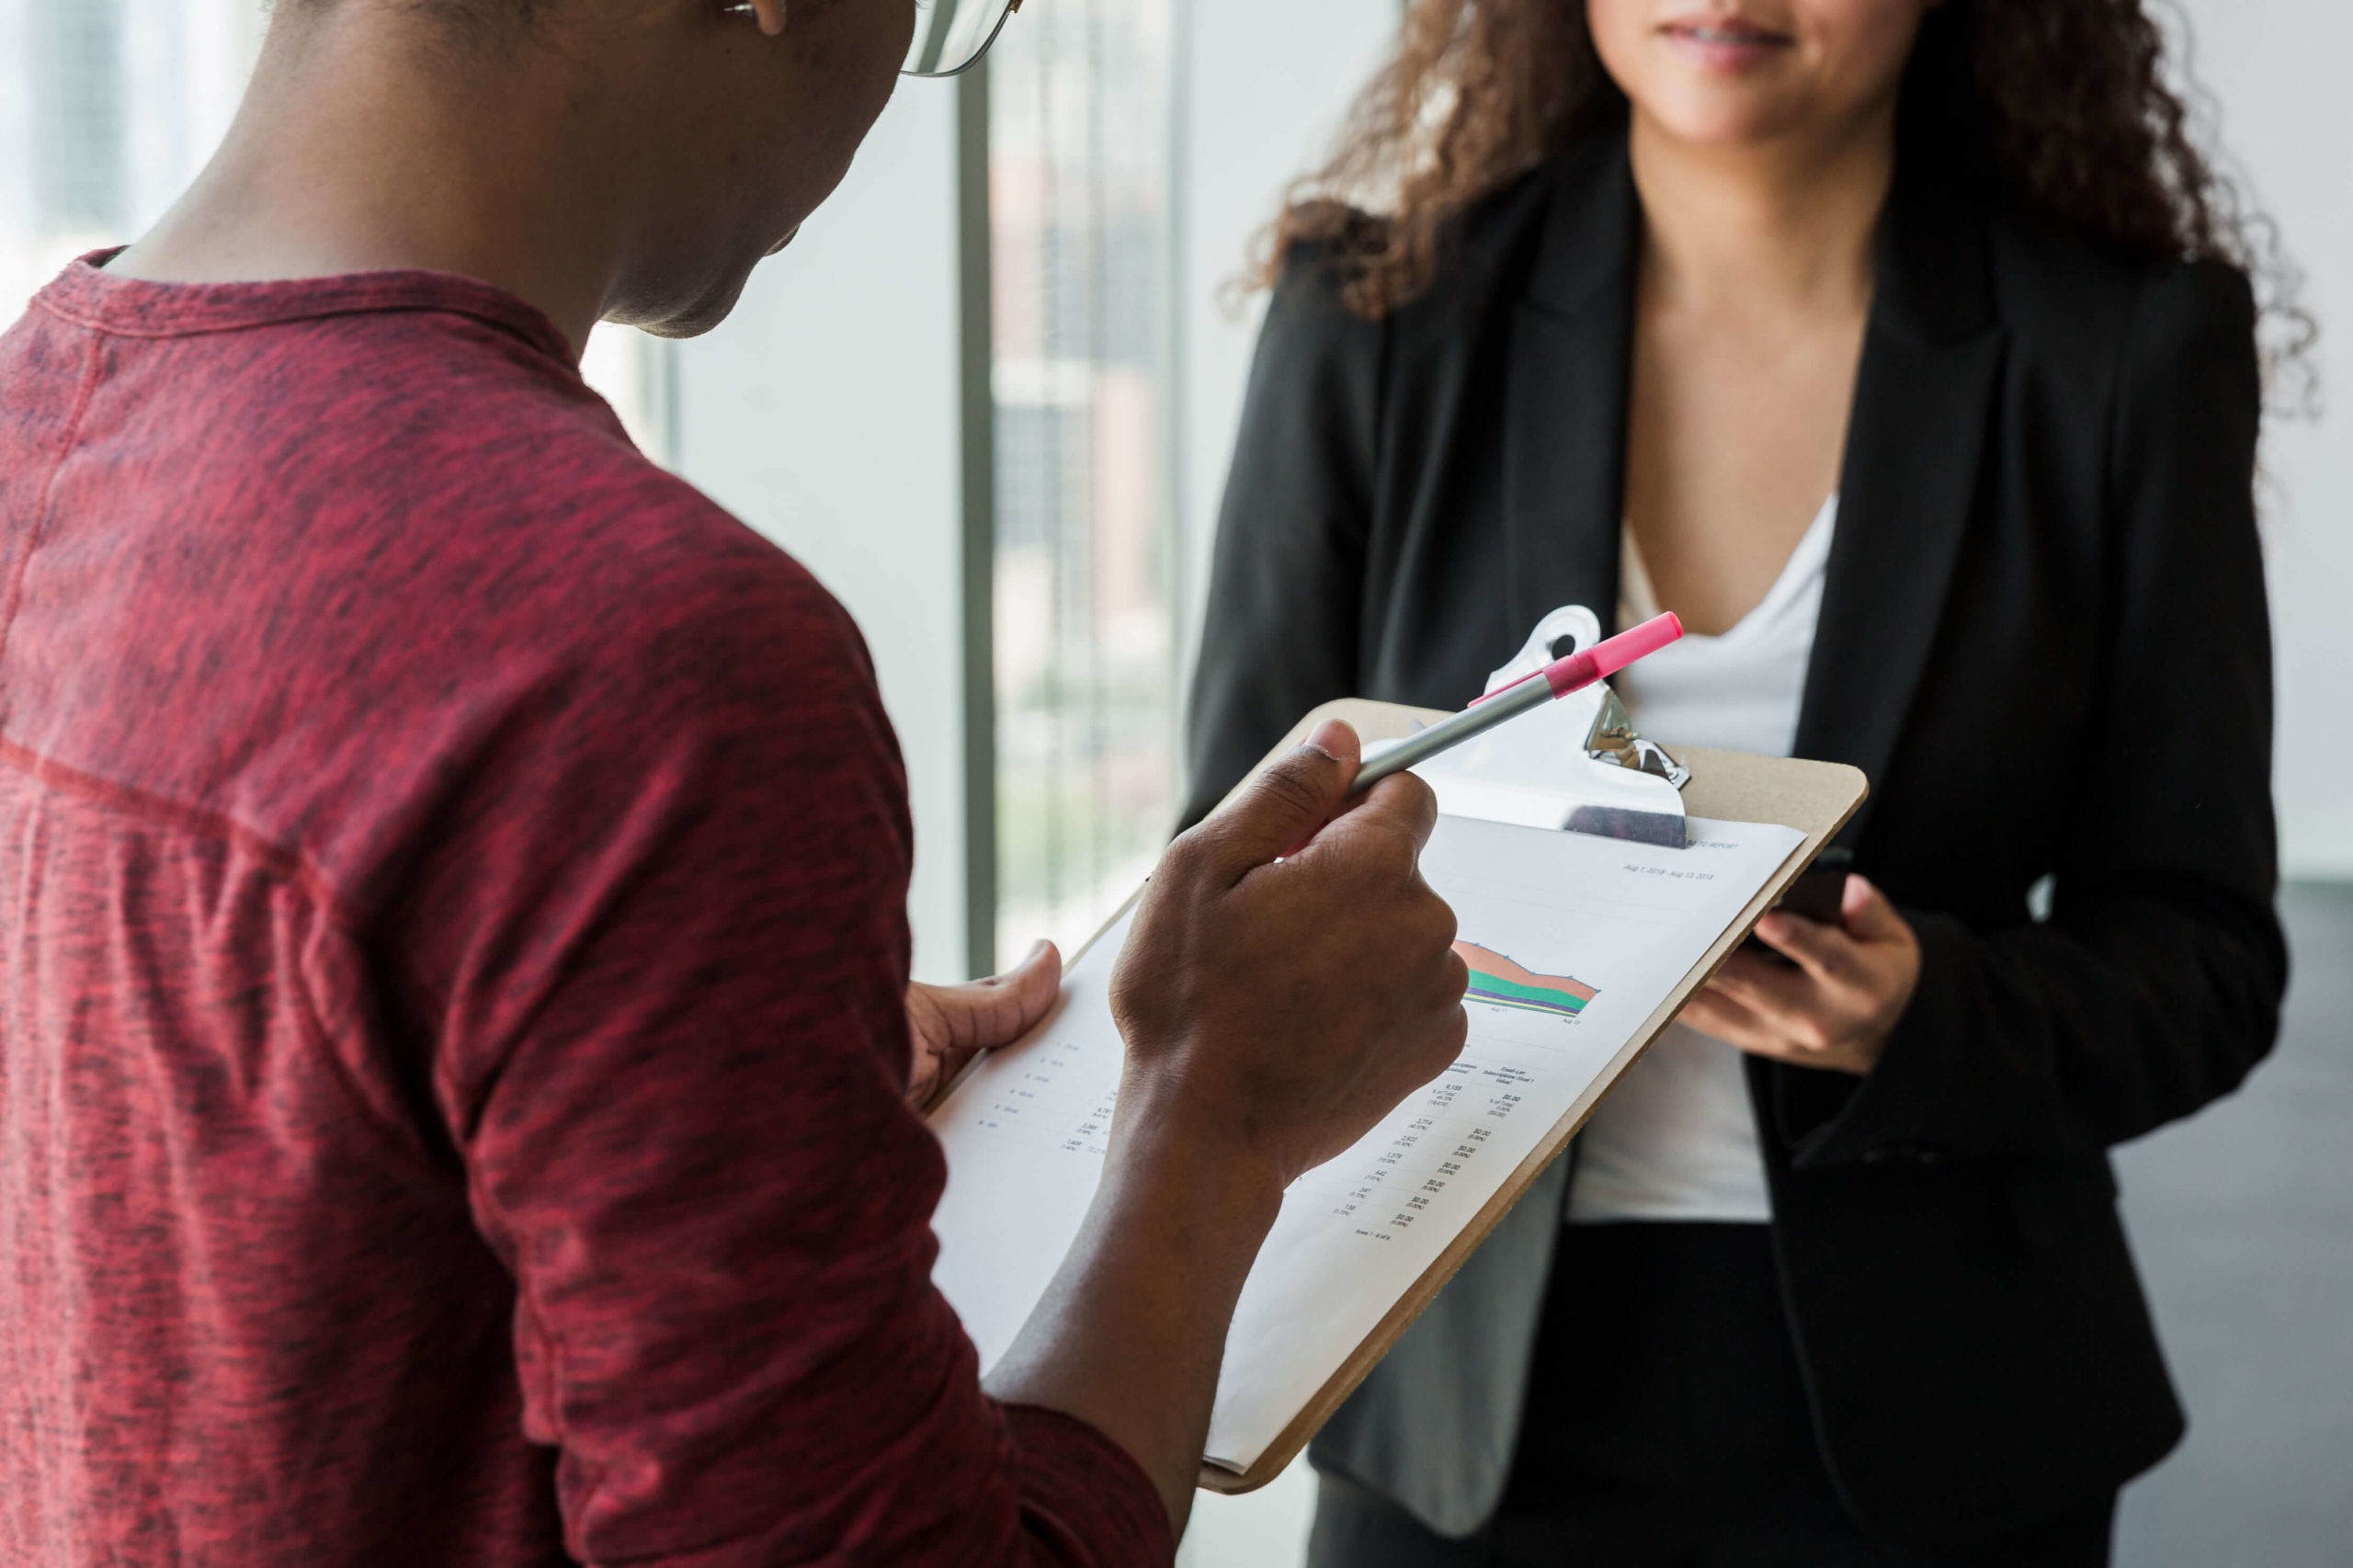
(951, 35)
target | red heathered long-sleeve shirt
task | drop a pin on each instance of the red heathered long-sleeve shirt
(451, 953)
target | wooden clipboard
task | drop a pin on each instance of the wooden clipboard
(1816, 798)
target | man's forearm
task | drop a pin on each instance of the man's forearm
(1130, 1332)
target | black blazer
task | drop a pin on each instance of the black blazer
(2043, 637)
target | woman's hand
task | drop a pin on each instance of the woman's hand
(1837, 1007)
(952, 1023)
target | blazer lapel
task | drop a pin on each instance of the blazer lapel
(1932, 357)
(1931, 362)
(1565, 421)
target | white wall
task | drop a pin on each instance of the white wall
(824, 414)
(1259, 98)
(2273, 71)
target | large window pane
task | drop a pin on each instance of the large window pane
(1078, 170)
(108, 108)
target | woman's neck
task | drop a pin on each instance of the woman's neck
(1771, 229)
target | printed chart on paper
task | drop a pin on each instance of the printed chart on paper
(1572, 941)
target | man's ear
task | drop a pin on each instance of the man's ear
(771, 15)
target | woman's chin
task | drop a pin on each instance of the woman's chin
(1725, 117)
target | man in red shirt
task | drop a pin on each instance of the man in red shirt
(454, 1026)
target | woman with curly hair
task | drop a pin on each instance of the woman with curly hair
(1909, 350)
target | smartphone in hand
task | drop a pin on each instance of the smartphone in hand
(1818, 895)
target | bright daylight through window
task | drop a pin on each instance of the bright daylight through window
(108, 110)
(1086, 678)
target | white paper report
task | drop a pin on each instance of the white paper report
(1572, 940)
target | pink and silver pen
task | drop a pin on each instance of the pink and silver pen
(1556, 679)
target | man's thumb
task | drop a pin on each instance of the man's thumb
(1035, 982)
(1287, 804)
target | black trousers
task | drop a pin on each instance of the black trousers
(1667, 1427)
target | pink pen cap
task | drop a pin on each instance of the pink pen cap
(1610, 655)
(1604, 659)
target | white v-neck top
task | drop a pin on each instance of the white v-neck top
(1676, 1139)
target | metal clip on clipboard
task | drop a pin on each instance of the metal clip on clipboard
(1577, 764)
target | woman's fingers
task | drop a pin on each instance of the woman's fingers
(1825, 953)
(1775, 994)
(1799, 1038)
(1835, 1008)
(1713, 1013)
(1785, 1014)
(1869, 914)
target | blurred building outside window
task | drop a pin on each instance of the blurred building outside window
(108, 109)
(1080, 213)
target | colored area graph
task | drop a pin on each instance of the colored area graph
(1499, 980)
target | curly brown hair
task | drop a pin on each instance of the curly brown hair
(2059, 108)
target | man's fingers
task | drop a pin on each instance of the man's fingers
(1400, 807)
(985, 1014)
(1284, 806)
(1026, 991)
(1409, 802)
